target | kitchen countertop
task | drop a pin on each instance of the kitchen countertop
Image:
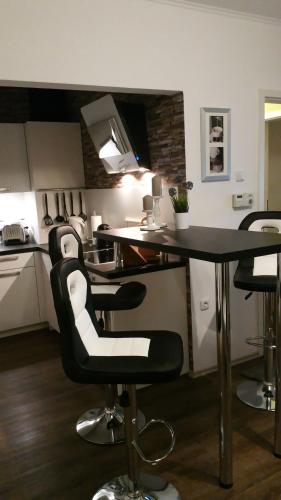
(106, 270)
(23, 248)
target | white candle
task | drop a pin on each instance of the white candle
(96, 220)
(156, 186)
(147, 202)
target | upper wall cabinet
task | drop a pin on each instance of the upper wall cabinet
(55, 155)
(14, 176)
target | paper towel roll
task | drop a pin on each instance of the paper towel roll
(96, 220)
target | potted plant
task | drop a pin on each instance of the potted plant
(179, 199)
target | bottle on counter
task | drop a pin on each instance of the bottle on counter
(105, 247)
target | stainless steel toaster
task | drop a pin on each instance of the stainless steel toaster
(14, 234)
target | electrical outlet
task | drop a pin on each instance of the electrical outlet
(204, 304)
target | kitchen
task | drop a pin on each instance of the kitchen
(55, 177)
(52, 159)
(53, 156)
(46, 164)
(39, 423)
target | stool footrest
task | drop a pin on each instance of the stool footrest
(260, 341)
(140, 452)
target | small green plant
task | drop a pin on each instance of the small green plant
(179, 197)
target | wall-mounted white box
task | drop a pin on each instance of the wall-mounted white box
(242, 200)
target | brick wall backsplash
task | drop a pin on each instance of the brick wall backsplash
(165, 127)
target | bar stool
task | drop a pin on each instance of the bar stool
(94, 356)
(259, 275)
(99, 425)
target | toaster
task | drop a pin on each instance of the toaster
(14, 234)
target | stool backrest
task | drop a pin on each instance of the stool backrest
(268, 222)
(77, 321)
(262, 221)
(64, 242)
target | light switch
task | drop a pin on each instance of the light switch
(239, 176)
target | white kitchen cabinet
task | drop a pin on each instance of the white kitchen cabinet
(46, 303)
(16, 261)
(54, 155)
(14, 175)
(18, 294)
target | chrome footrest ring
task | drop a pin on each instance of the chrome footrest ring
(259, 341)
(167, 452)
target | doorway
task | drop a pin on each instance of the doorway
(272, 157)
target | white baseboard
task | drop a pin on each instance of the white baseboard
(215, 368)
(29, 328)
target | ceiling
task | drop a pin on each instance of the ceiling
(270, 9)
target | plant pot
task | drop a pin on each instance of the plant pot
(181, 220)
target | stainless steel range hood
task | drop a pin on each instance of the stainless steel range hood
(109, 136)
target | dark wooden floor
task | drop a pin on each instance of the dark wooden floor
(42, 457)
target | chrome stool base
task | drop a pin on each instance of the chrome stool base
(254, 394)
(105, 425)
(119, 489)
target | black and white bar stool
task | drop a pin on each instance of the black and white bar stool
(99, 425)
(94, 356)
(259, 274)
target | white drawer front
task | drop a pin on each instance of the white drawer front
(18, 298)
(16, 261)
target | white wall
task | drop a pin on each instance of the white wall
(18, 207)
(117, 205)
(12, 208)
(215, 60)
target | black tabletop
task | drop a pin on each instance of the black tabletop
(197, 242)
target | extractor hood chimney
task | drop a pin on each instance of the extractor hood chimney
(118, 134)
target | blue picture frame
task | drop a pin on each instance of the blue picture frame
(215, 144)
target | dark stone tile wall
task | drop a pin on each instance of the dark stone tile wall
(165, 124)
(14, 105)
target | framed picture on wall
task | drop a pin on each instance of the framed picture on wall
(215, 144)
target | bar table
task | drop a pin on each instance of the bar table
(219, 246)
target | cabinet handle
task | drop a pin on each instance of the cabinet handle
(5, 190)
(9, 275)
(9, 259)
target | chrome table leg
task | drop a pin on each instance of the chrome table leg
(277, 437)
(224, 374)
(118, 255)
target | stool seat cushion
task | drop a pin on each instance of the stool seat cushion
(163, 363)
(245, 280)
(128, 296)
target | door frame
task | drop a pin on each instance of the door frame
(264, 96)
